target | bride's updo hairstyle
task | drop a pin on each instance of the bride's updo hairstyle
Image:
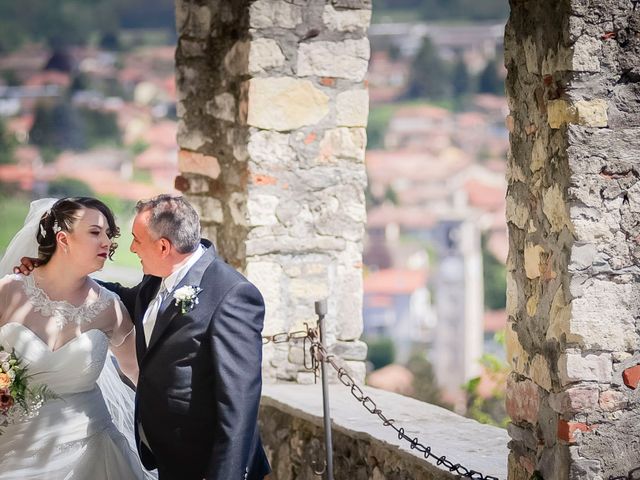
(62, 216)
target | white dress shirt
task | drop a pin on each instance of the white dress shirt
(166, 288)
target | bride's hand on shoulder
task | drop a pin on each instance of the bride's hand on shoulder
(27, 264)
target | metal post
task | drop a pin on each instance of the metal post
(321, 311)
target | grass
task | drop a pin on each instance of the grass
(13, 211)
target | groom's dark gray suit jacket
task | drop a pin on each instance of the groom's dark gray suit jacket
(200, 377)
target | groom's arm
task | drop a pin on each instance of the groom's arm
(127, 294)
(236, 350)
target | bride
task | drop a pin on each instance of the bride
(62, 324)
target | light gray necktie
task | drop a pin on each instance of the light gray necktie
(151, 315)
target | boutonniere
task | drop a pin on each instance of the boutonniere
(186, 297)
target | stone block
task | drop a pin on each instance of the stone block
(512, 294)
(348, 59)
(192, 49)
(592, 113)
(574, 367)
(261, 210)
(285, 103)
(346, 20)
(237, 204)
(209, 209)
(522, 400)
(269, 278)
(586, 54)
(583, 256)
(194, 162)
(540, 373)
(352, 108)
(343, 144)
(560, 319)
(571, 431)
(532, 260)
(222, 107)
(574, 400)
(308, 289)
(560, 112)
(305, 378)
(517, 357)
(271, 150)
(631, 377)
(611, 400)
(194, 20)
(352, 4)
(555, 209)
(264, 54)
(236, 61)
(354, 350)
(357, 370)
(348, 290)
(190, 138)
(531, 55)
(539, 153)
(274, 13)
(603, 316)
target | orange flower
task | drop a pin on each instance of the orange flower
(5, 380)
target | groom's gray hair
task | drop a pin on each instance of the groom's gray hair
(173, 218)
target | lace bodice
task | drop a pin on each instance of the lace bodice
(64, 312)
(64, 345)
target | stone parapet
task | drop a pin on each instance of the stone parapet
(291, 425)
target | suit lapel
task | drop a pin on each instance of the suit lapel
(169, 310)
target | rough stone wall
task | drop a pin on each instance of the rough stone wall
(273, 109)
(573, 210)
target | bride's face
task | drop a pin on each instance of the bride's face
(88, 243)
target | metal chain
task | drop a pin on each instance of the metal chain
(284, 337)
(320, 353)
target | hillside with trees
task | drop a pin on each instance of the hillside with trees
(60, 23)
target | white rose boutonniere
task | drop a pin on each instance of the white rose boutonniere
(186, 297)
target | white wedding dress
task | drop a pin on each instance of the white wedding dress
(80, 435)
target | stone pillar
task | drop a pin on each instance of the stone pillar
(273, 108)
(573, 209)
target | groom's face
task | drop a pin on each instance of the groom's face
(148, 249)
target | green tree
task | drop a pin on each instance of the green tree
(494, 276)
(99, 127)
(381, 352)
(460, 78)
(430, 75)
(390, 195)
(425, 385)
(489, 409)
(57, 127)
(69, 187)
(490, 81)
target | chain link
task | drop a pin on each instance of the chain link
(319, 353)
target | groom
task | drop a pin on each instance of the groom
(198, 333)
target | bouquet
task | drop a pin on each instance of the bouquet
(19, 400)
